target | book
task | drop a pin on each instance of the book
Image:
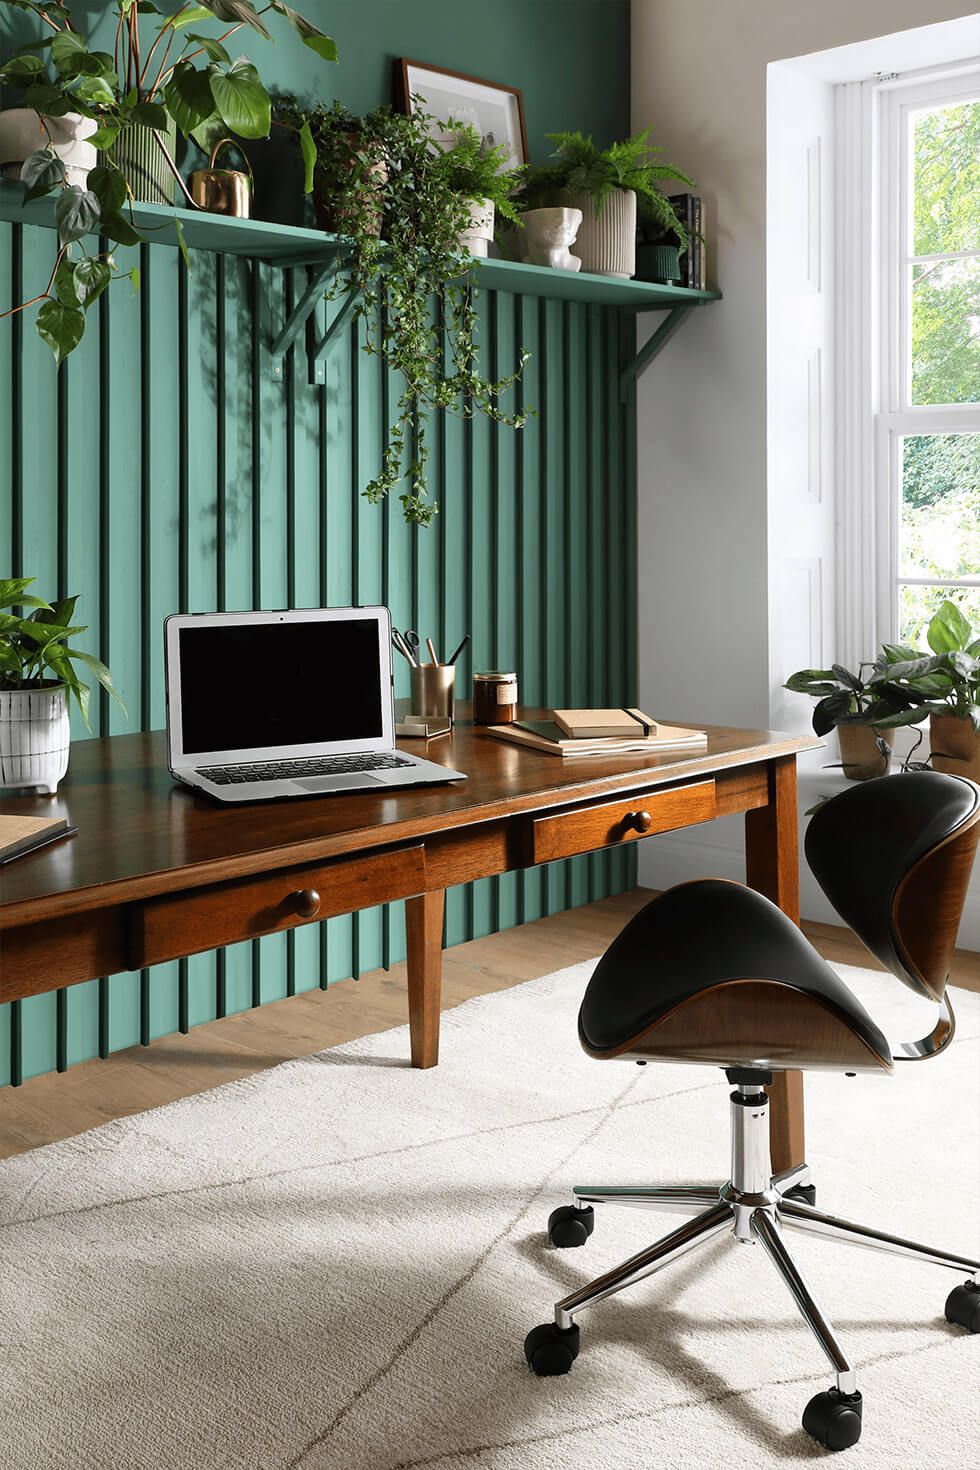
(545, 735)
(20, 835)
(689, 211)
(600, 724)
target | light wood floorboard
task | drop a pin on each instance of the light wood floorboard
(58, 1106)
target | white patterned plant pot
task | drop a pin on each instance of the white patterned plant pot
(606, 243)
(35, 736)
(23, 132)
(478, 234)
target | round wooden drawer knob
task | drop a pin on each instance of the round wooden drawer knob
(638, 821)
(307, 903)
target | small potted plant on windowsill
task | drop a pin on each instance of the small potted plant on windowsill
(863, 708)
(605, 184)
(945, 685)
(37, 675)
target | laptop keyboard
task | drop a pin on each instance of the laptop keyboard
(328, 765)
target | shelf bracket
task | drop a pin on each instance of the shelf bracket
(299, 316)
(652, 347)
(318, 353)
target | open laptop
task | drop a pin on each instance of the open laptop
(263, 705)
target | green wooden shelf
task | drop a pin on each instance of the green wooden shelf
(289, 245)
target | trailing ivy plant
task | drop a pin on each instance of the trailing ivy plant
(396, 202)
(162, 69)
(34, 649)
(582, 167)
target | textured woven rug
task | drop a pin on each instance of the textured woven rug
(334, 1263)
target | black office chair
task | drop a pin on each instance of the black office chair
(711, 972)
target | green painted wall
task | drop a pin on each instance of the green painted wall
(165, 470)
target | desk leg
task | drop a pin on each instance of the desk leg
(423, 931)
(772, 868)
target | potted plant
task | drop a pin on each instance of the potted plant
(946, 685)
(863, 708)
(383, 171)
(479, 175)
(162, 76)
(37, 676)
(605, 184)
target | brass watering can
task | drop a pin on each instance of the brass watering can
(223, 190)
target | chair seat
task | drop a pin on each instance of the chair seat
(713, 972)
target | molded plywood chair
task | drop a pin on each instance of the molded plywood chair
(711, 972)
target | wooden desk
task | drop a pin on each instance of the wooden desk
(157, 872)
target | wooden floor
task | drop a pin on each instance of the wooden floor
(57, 1106)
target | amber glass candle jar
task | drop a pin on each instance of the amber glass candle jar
(494, 698)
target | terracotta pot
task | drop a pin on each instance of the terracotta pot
(859, 753)
(955, 746)
(606, 243)
(22, 132)
(34, 737)
(331, 214)
(478, 234)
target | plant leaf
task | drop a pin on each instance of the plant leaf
(240, 11)
(77, 212)
(948, 630)
(189, 97)
(151, 115)
(115, 226)
(829, 711)
(307, 148)
(91, 278)
(242, 101)
(41, 172)
(188, 17)
(108, 186)
(211, 48)
(101, 673)
(310, 34)
(61, 327)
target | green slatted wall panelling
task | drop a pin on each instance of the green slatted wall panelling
(164, 470)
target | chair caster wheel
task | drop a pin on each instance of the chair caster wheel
(963, 1306)
(805, 1193)
(568, 1225)
(834, 1419)
(551, 1350)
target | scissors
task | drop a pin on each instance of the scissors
(407, 643)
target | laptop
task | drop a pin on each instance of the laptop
(265, 705)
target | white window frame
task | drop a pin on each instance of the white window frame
(873, 370)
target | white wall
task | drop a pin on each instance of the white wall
(725, 511)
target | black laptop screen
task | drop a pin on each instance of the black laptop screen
(249, 686)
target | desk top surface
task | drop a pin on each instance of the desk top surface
(139, 830)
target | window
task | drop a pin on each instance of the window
(926, 432)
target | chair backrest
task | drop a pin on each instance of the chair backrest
(894, 856)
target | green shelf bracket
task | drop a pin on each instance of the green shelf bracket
(318, 351)
(652, 347)
(300, 314)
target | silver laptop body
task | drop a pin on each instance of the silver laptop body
(265, 705)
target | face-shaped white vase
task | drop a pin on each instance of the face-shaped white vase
(547, 235)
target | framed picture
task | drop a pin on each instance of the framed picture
(495, 111)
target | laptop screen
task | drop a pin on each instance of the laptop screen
(250, 686)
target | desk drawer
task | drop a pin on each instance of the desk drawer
(587, 828)
(179, 924)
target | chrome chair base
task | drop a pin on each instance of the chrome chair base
(753, 1207)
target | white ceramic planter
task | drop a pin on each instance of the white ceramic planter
(547, 235)
(34, 737)
(606, 243)
(23, 133)
(479, 232)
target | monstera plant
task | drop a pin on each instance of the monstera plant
(162, 75)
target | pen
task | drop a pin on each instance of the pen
(432, 652)
(462, 644)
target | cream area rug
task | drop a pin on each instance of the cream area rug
(332, 1265)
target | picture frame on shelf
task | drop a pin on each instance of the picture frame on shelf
(495, 110)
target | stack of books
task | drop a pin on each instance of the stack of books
(693, 272)
(577, 732)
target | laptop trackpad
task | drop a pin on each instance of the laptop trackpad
(338, 782)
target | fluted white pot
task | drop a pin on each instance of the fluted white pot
(22, 133)
(34, 737)
(479, 232)
(606, 243)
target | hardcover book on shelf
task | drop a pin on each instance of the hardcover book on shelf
(546, 736)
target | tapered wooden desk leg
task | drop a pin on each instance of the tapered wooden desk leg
(423, 931)
(772, 867)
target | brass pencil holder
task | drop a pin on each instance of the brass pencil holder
(434, 690)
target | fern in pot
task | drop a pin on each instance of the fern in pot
(38, 674)
(479, 175)
(605, 185)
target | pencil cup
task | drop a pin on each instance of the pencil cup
(434, 690)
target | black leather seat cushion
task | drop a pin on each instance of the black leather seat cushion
(695, 936)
